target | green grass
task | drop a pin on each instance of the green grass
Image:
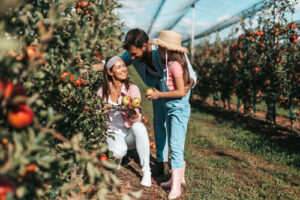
(226, 161)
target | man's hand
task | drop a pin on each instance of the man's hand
(154, 95)
(188, 87)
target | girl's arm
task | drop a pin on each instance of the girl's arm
(177, 93)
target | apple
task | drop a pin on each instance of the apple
(292, 26)
(103, 157)
(144, 119)
(149, 91)
(152, 145)
(20, 116)
(31, 168)
(84, 4)
(78, 82)
(136, 102)
(126, 100)
(8, 89)
(6, 186)
(65, 74)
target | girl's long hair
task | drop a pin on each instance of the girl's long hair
(107, 79)
(180, 57)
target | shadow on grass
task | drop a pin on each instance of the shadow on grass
(222, 154)
(280, 138)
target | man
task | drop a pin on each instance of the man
(148, 63)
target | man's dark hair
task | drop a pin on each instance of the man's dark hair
(136, 37)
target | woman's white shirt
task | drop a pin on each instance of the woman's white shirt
(117, 123)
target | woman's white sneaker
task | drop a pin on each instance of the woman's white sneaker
(146, 180)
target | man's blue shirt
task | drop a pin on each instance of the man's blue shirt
(141, 67)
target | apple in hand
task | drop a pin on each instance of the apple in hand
(126, 101)
(149, 91)
(136, 102)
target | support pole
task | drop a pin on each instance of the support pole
(193, 34)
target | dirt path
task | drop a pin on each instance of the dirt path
(130, 175)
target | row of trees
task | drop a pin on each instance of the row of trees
(262, 64)
(50, 118)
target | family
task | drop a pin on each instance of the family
(162, 63)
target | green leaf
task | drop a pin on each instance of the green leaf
(91, 172)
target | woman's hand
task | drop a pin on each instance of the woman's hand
(154, 95)
(132, 114)
(107, 108)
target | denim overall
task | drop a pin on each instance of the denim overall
(159, 121)
(177, 113)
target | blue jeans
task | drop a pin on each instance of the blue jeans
(159, 123)
(177, 117)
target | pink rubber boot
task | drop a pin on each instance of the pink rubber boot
(168, 183)
(183, 174)
(176, 184)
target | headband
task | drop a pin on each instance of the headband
(111, 62)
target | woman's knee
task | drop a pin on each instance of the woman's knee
(117, 146)
(118, 151)
(139, 127)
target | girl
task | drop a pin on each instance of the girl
(125, 127)
(176, 76)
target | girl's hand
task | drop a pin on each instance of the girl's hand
(154, 95)
(188, 87)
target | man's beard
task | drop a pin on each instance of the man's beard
(146, 55)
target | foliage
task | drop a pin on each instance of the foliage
(49, 64)
(261, 64)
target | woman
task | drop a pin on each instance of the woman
(126, 131)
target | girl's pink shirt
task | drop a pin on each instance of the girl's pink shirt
(175, 71)
(133, 92)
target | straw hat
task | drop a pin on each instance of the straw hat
(169, 39)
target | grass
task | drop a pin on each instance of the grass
(226, 160)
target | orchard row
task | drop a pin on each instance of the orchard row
(262, 63)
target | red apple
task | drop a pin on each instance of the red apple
(20, 116)
(8, 89)
(84, 4)
(144, 119)
(103, 157)
(65, 74)
(149, 91)
(126, 100)
(136, 102)
(6, 186)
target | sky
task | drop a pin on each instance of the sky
(140, 13)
